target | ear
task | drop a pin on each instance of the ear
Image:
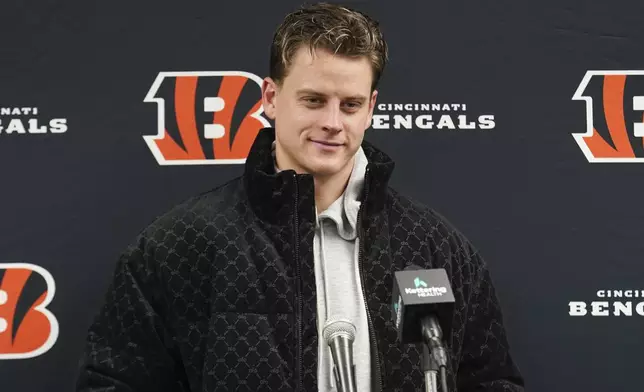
(372, 105)
(269, 95)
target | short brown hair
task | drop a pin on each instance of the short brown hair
(332, 27)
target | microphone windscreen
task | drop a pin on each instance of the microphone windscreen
(333, 328)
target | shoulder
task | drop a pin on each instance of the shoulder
(191, 217)
(406, 208)
(440, 234)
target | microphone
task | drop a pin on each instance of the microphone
(339, 335)
(423, 304)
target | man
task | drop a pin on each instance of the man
(231, 290)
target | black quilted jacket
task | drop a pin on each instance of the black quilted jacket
(218, 294)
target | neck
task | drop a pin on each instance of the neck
(329, 188)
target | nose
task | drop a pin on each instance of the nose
(332, 118)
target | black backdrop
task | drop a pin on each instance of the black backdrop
(556, 220)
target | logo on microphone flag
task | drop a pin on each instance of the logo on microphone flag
(398, 311)
(419, 282)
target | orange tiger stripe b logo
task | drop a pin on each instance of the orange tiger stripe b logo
(27, 328)
(614, 116)
(205, 117)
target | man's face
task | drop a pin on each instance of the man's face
(321, 111)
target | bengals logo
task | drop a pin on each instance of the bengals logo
(27, 328)
(205, 117)
(614, 116)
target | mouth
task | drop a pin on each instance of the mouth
(327, 143)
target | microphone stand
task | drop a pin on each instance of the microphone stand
(430, 368)
(434, 354)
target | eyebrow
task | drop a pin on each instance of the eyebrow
(307, 91)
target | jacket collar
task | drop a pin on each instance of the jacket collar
(272, 194)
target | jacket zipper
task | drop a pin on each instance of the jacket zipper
(372, 333)
(298, 275)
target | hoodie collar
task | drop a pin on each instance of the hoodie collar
(344, 211)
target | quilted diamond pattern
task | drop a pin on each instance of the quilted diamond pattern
(218, 294)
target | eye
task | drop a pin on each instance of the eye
(313, 100)
(353, 105)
